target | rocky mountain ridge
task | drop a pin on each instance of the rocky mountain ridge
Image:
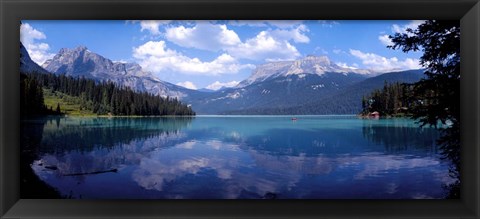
(282, 86)
(81, 62)
(317, 65)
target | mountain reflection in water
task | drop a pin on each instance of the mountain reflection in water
(316, 157)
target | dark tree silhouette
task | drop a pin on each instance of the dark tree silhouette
(439, 93)
(391, 100)
(58, 108)
(31, 97)
(102, 98)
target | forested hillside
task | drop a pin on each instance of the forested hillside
(344, 101)
(393, 99)
(103, 98)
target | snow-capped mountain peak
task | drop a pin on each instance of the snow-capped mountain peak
(310, 64)
(78, 49)
(82, 62)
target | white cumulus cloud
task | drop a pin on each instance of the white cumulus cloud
(203, 35)
(296, 34)
(265, 47)
(382, 64)
(153, 26)
(268, 45)
(272, 44)
(385, 40)
(38, 51)
(399, 29)
(156, 57)
(345, 65)
(187, 84)
(403, 29)
(217, 85)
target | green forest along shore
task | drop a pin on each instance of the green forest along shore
(393, 100)
(49, 94)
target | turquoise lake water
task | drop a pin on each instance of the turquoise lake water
(237, 157)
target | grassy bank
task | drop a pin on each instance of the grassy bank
(69, 105)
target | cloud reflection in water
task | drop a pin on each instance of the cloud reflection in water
(208, 160)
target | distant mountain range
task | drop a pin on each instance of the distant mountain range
(345, 100)
(81, 62)
(312, 85)
(310, 65)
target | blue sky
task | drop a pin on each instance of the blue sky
(198, 54)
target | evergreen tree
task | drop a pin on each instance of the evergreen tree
(101, 98)
(388, 101)
(31, 95)
(58, 109)
(440, 91)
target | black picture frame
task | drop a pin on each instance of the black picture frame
(12, 11)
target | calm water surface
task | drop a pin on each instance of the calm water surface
(237, 157)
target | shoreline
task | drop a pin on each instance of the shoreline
(359, 116)
(369, 116)
(104, 116)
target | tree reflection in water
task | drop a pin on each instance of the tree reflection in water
(398, 138)
(231, 158)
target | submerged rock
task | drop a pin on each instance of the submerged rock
(51, 167)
